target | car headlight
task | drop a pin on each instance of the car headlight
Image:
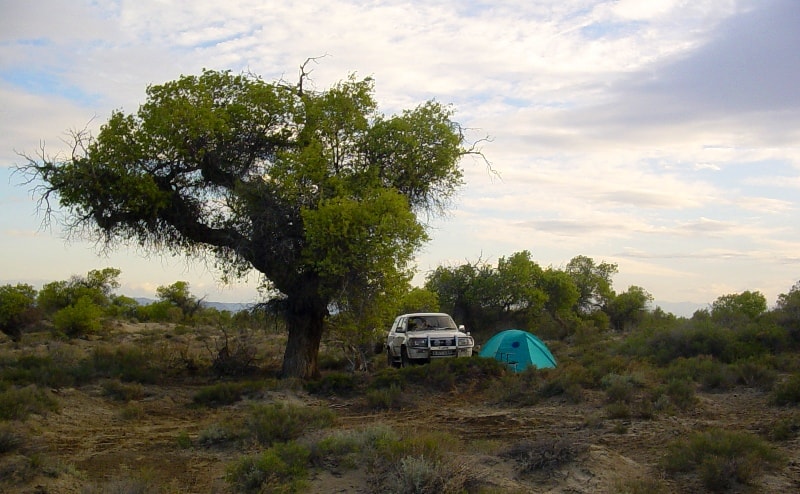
(418, 342)
(466, 341)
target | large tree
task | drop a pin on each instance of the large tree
(316, 190)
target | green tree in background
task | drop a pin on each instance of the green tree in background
(17, 308)
(315, 190)
(735, 310)
(593, 282)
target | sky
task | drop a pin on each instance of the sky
(662, 136)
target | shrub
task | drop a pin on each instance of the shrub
(127, 363)
(17, 309)
(218, 434)
(82, 318)
(18, 403)
(391, 398)
(676, 393)
(352, 448)
(418, 474)
(123, 392)
(280, 469)
(544, 454)
(225, 393)
(277, 422)
(35, 369)
(10, 439)
(334, 383)
(788, 392)
(721, 458)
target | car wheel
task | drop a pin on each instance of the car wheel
(405, 361)
(390, 360)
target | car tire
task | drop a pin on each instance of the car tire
(404, 360)
(390, 360)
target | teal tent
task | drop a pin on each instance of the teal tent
(519, 349)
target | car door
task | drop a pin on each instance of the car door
(397, 335)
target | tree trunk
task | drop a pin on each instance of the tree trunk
(305, 320)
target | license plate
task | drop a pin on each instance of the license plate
(441, 353)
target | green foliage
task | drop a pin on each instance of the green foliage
(17, 403)
(96, 287)
(84, 317)
(10, 438)
(787, 392)
(734, 309)
(593, 281)
(225, 393)
(787, 312)
(122, 391)
(177, 295)
(281, 469)
(628, 309)
(128, 363)
(391, 398)
(722, 458)
(334, 383)
(281, 422)
(17, 309)
(419, 300)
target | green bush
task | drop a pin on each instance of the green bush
(334, 384)
(225, 393)
(35, 369)
(123, 392)
(721, 458)
(788, 392)
(18, 403)
(281, 422)
(17, 309)
(82, 318)
(127, 363)
(282, 468)
(10, 439)
(391, 398)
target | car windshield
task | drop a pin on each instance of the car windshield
(422, 323)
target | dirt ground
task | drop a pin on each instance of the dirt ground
(94, 441)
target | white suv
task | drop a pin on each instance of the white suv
(420, 337)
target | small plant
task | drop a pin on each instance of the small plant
(721, 458)
(183, 440)
(282, 468)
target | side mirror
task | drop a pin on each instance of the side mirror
(400, 330)
(461, 327)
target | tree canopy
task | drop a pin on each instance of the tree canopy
(316, 190)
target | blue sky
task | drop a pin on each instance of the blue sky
(663, 136)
